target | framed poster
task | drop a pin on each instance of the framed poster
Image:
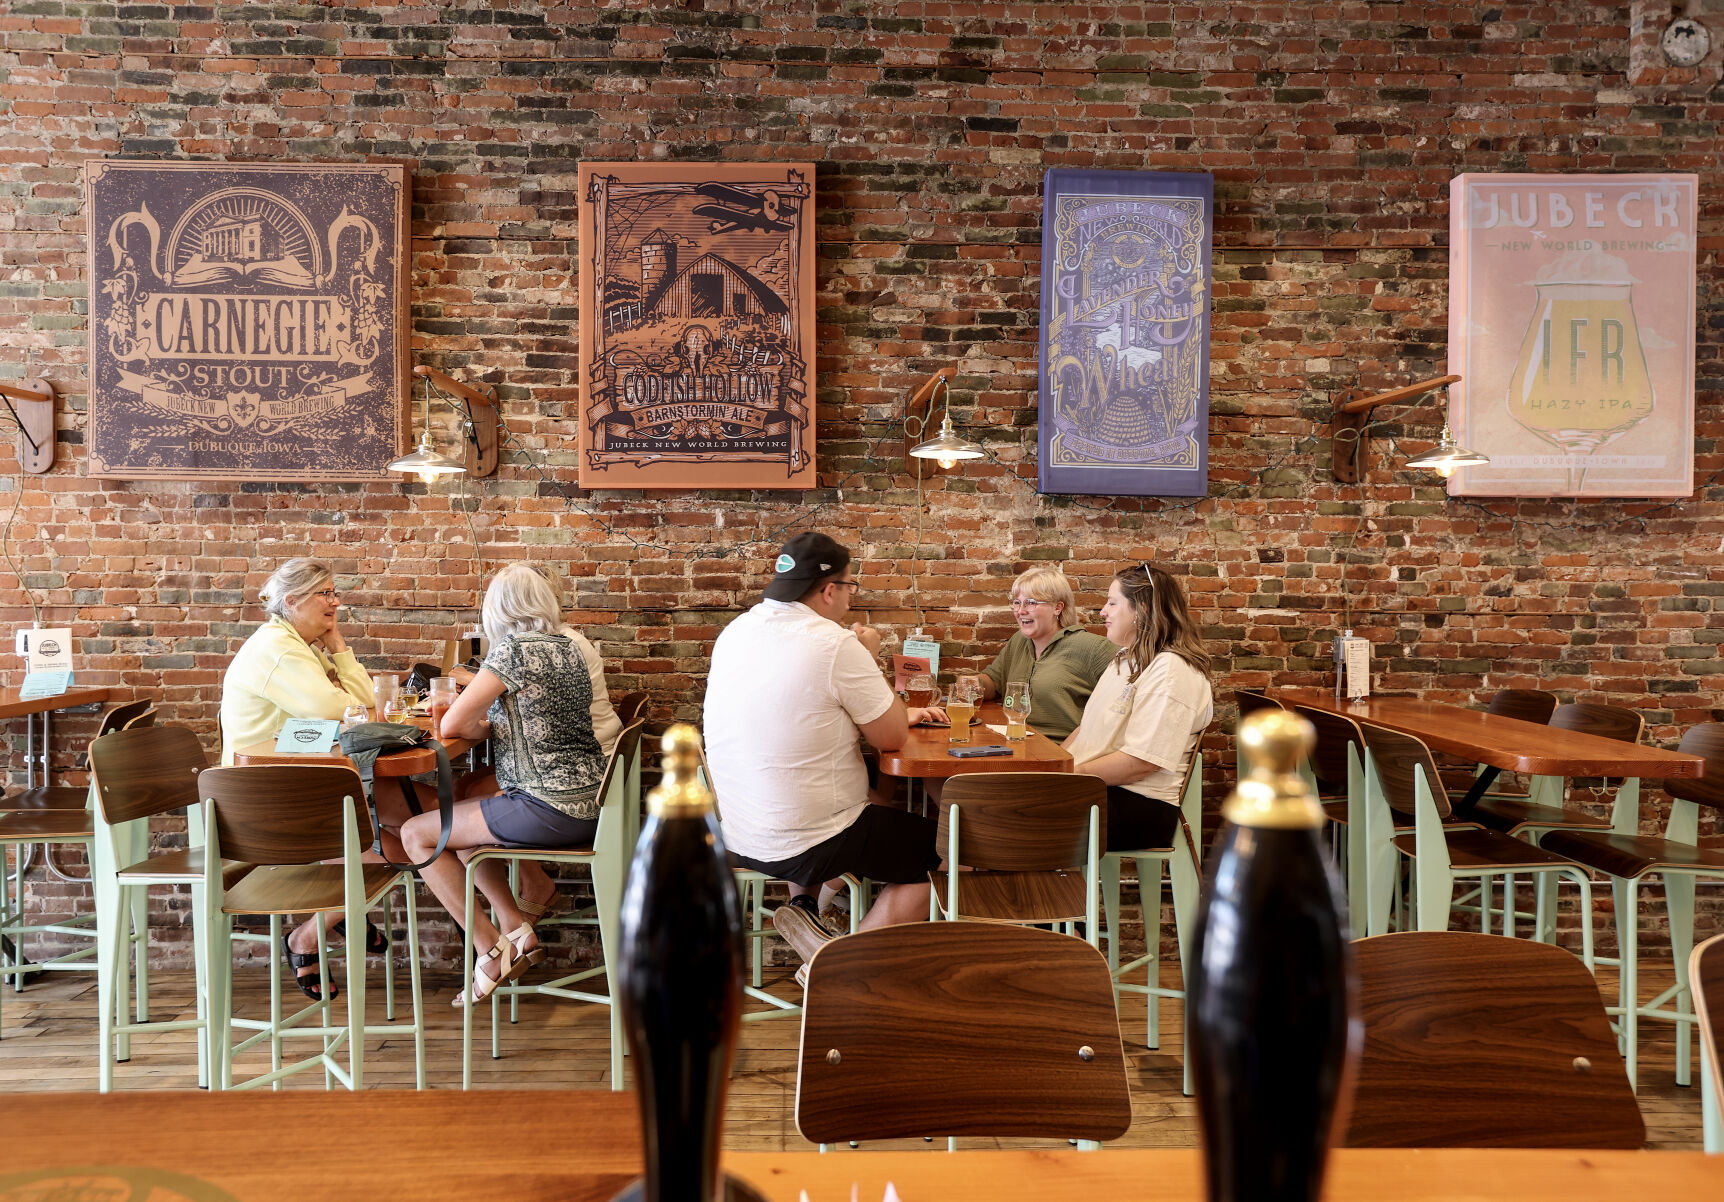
(248, 321)
(1125, 333)
(1571, 325)
(697, 325)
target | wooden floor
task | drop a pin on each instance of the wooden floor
(49, 1036)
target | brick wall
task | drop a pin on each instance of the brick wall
(1332, 131)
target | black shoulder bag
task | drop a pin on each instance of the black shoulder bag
(364, 742)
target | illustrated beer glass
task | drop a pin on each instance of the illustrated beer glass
(1581, 380)
(1016, 702)
(961, 707)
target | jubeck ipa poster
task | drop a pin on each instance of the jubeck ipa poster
(697, 325)
(1571, 325)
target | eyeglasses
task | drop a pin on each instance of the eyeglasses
(855, 585)
(328, 594)
(1029, 603)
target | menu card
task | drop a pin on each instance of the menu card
(904, 667)
(307, 736)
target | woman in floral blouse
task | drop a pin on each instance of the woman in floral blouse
(533, 696)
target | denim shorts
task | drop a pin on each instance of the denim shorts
(517, 819)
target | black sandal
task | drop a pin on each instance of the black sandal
(307, 982)
(376, 942)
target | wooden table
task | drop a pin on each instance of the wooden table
(923, 755)
(1503, 743)
(399, 1146)
(396, 765)
(36, 748)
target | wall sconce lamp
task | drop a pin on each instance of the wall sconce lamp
(479, 420)
(948, 449)
(1347, 434)
(32, 408)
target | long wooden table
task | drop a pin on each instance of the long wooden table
(1503, 743)
(36, 746)
(924, 754)
(398, 1146)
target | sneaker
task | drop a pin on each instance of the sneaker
(801, 930)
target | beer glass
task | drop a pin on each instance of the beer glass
(353, 715)
(442, 697)
(394, 710)
(961, 707)
(1016, 702)
(919, 691)
(383, 690)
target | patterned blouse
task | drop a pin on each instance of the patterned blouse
(541, 727)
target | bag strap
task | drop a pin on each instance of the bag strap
(445, 813)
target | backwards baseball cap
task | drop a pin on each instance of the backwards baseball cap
(804, 561)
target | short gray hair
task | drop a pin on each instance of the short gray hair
(1049, 584)
(298, 577)
(521, 600)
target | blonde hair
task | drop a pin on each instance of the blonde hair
(1049, 584)
(522, 600)
(300, 576)
(1164, 621)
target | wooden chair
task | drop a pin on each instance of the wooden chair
(1026, 835)
(286, 820)
(1249, 702)
(960, 1028)
(136, 774)
(1480, 1041)
(1337, 770)
(18, 830)
(1403, 777)
(77, 797)
(1706, 979)
(1184, 878)
(607, 860)
(1626, 856)
(1541, 809)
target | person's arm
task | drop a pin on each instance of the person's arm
(299, 685)
(465, 718)
(890, 729)
(1117, 768)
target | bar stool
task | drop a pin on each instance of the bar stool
(137, 774)
(607, 860)
(17, 831)
(1184, 876)
(286, 820)
(77, 797)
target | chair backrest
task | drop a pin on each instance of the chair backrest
(1707, 741)
(283, 813)
(630, 706)
(145, 719)
(960, 1028)
(1335, 735)
(1706, 982)
(617, 766)
(1607, 721)
(1249, 701)
(1528, 705)
(1020, 821)
(142, 771)
(1482, 1041)
(1396, 755)
(120, 716)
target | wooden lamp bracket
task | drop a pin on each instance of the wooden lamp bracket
(481, 421)
(1347, 439)
(32, 408)
(924, 394)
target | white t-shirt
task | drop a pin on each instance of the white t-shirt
(785, 696)
(1156, 718)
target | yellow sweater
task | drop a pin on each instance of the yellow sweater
(277, 675)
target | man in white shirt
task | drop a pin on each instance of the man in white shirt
(791, 687)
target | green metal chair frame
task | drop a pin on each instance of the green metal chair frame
(1706, 979)
(287, 821)
(607, 861)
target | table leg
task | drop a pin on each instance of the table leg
(1481, 785)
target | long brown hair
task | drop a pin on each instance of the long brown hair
(1164, 621)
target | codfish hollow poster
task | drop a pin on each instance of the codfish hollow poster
(1572, 327)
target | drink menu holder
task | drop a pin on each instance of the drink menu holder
(48, 658)
(1356, 667)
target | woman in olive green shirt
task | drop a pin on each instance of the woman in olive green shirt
(1060, 659)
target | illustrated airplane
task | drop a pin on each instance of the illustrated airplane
(738, 209)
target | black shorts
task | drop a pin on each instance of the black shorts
(1138, 823)
(517, 819)
(883, 844)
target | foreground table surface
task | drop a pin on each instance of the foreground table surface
(924, 753)
(1528, 747)
(389, 1145)
(396, 763)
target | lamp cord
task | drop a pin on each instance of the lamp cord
(6, 549)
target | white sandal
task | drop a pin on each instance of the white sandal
(525, 957)
(484, 986)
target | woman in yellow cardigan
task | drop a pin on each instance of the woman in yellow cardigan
(297, 665)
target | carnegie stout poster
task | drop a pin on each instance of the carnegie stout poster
(697, 325)
(1125, 333)
(247, 321)
(1572, 327)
